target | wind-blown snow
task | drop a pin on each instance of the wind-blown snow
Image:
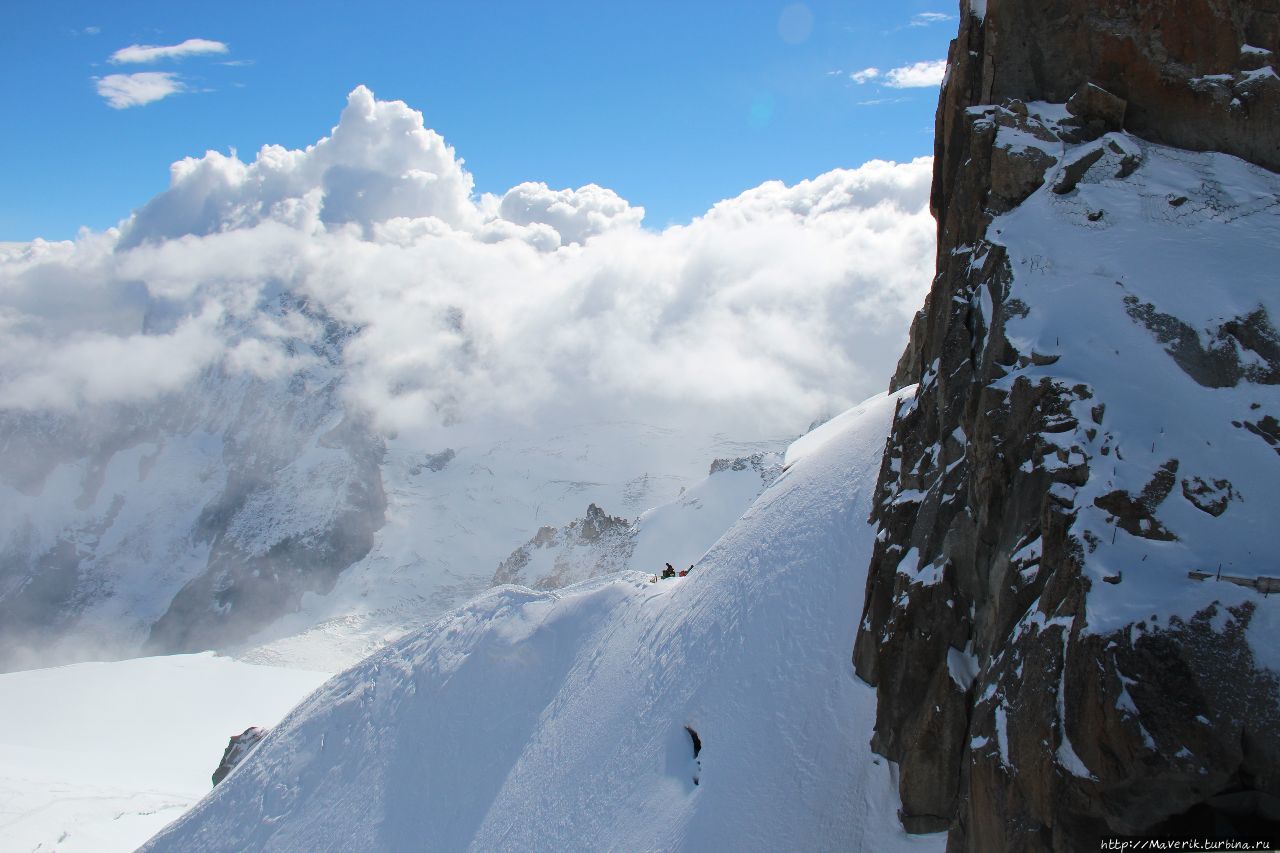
(557, 720)
(96, 757)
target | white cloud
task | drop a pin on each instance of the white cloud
(771, 308)
(917, 75)
(574, 214)
(379, 163)
(133, 90)
(925, 19)
(148, 53)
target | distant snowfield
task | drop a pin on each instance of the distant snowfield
(557, 720)
(97, 757)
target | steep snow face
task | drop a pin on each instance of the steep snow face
(96, 757)
(567, 719)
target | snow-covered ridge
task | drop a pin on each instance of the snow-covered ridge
(563, 719)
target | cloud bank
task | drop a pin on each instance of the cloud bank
(773, 307)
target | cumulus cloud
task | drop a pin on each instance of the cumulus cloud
(122, 91)
(866, 75)
(575, 215)
(917, 75)
(769, 309)
(144, 54)
(378, 163)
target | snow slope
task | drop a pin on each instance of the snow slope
(556, 720)
(98, 756)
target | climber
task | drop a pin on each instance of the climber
(669, 571)
(683, 572)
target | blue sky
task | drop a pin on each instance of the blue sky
(674, 105)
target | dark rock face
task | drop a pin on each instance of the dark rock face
(1015, 727)
(237, 748)
(1178, 65)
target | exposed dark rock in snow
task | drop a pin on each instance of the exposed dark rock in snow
(434, 462)
(237, 748)
(1209, 497)
(1268, 429)
(1028, 705)
(764, 464)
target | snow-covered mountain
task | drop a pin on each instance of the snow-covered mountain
(715, 711)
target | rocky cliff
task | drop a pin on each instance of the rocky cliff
(1095, 420)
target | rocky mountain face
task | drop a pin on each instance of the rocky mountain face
(1098, 366)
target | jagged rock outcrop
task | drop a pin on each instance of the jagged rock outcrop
(1095, 344)
(766, 465)
(596, 544)
(237, 748)
(678, 532)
